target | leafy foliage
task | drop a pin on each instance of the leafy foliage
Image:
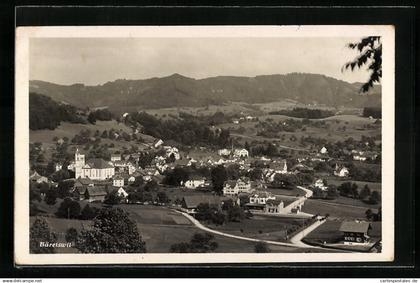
(370, 49)
(68, 209)
(40, 232)
(112, 232)
(45, 113)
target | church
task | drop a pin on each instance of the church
(95, 168)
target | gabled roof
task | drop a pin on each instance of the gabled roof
(85, 181)
(230, 183)
(99, 163)
(94, 191)
(356, 227)
(196, 178)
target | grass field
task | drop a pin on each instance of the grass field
(260, 227)
(335, 210)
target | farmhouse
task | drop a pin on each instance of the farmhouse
(195, 182)
(118, 181)
(36, 178)
(95, 169)
(172, 152)
(355, 232)
(320, 185)
(341, 171)
(189, 203)
(233, 188)
(323, 150)
(115, 157)
(240, 152)
(224, 152)
(260, 198)
(274, 206)
(92, 194)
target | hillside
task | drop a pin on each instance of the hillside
(180, 91)
(45, 113)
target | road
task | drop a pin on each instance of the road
(297, 239)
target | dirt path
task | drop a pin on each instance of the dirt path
(297, 239)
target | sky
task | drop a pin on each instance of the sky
(94, 61)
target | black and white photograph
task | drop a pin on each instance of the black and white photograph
(204, 144)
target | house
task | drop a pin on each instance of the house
(235, 187)
(36, 178)
(172, 152)
(157, 143)
(341, 171)
(274, 206)
(96, 168)
(58, 167)
(195, 182)
(118, 181)
(121, 192)
(323, 150)
(92, 194)
(355, 232)
(189, 203)
(115, 157)
(83, 182)
(280, 166)
(224, 152)
(359, 157)
(240, 152)
(320, 185)
(260, 198)
(123, 167)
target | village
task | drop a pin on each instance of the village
(307, 201)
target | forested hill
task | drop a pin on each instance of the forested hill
(179, 91)
(45, 113)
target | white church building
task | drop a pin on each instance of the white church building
(95, 169)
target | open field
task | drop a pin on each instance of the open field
(349, 201)
(260, 227)
(341, 211)
(293, 193)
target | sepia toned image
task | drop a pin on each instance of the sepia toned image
(204, 144)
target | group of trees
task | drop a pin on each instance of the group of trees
(187, 130)
(71, 209)
(307, 113)
(45, 113)
(112, 231)
(349, 189)
(100, 115)
(228, 212)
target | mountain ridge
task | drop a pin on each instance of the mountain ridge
(178, 91)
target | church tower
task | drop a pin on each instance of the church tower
(79, 162)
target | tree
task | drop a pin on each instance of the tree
(51, 197)
(261, 247)
(162, 197)
(112, 232)
(370, 49)
(176, 176)
(375, 197)
(88, 212)
(112, 198)
(369, 214)
(40, 233)
(68, 209)
(71, 235)
(235, 214)
(365, 192)
(218, 177)
(63, 189)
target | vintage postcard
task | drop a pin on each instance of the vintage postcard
(204, 144)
